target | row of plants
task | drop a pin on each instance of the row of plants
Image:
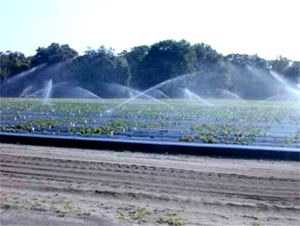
(225, 123)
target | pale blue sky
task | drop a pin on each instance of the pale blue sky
(268, 28)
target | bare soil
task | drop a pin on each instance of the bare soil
(62, 186)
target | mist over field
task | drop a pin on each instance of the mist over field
(105, 74)
(169, 91)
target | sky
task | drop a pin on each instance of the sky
(269, 28)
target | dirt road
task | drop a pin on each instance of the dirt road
(60, 186)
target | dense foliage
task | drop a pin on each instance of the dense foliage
(100, 65)
(145, 66)
(12, 63)
(53, 54)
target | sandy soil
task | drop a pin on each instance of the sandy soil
(61, 186)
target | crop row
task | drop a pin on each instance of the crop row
(226, 123)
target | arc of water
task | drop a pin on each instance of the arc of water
(235, 96)
(157, 86)
(41, 91)
(79, 89)
(145, 95)
(137, 94)
(162, 94)
(24, 73)
(285, 84)
(26, 91)
(89, 92)
(193, 96)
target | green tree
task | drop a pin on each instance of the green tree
(165, 60)
(293, 72)
(280, 65)
(135, 58)
(206, 55)
(53, 54)
(98, 66)
(288, 68)
(12, 63)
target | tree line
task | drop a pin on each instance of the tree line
(143, 66)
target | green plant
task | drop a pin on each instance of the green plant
(136, 214)
(171, 219)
